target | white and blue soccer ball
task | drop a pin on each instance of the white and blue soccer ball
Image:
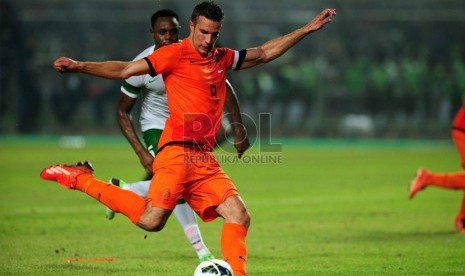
(214, 267)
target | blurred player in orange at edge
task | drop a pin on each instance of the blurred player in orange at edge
(454, 180)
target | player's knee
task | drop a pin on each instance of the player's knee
(155, 227)
(239, 215)
(245, 219)
(233, 210)
(153, 220)
(151, 225)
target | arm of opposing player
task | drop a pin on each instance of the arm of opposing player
(105, 69)
(241, 141)
(274, 48)
(124, 108)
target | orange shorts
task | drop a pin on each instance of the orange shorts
(459, 139)
(195, 175)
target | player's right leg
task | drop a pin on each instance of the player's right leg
(80, 177)
(66, 175)
(183, 213)
(140, 188)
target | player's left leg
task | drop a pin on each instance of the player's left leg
(235, 227)
(213, 194)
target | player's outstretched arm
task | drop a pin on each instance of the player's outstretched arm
(241, 141)
(123, 111)
(105, 69)
(276, 47)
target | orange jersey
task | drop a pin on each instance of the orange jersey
(459, 120)
(196, 90)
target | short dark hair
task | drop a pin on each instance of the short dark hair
(163, 13)
(210, 10)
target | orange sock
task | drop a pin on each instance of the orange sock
(447, 180)
(125, 202)
(234, 247)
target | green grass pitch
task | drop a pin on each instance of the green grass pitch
(328, 208)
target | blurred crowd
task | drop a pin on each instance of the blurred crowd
(376, 79)
(408, 94)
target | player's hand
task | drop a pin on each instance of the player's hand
(146, 159)
(241, 141)
(64, 64)
(322, 19)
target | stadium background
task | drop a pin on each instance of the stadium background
(382, 69)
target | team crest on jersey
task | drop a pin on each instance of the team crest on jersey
(215, 58)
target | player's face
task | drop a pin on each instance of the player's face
(165, 31)
(204, 34)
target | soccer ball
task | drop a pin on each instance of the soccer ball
(213, 267)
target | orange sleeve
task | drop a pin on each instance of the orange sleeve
(164, 59)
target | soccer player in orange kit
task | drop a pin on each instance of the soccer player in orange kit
(454, 180)
(194, 72)
(153, 114)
